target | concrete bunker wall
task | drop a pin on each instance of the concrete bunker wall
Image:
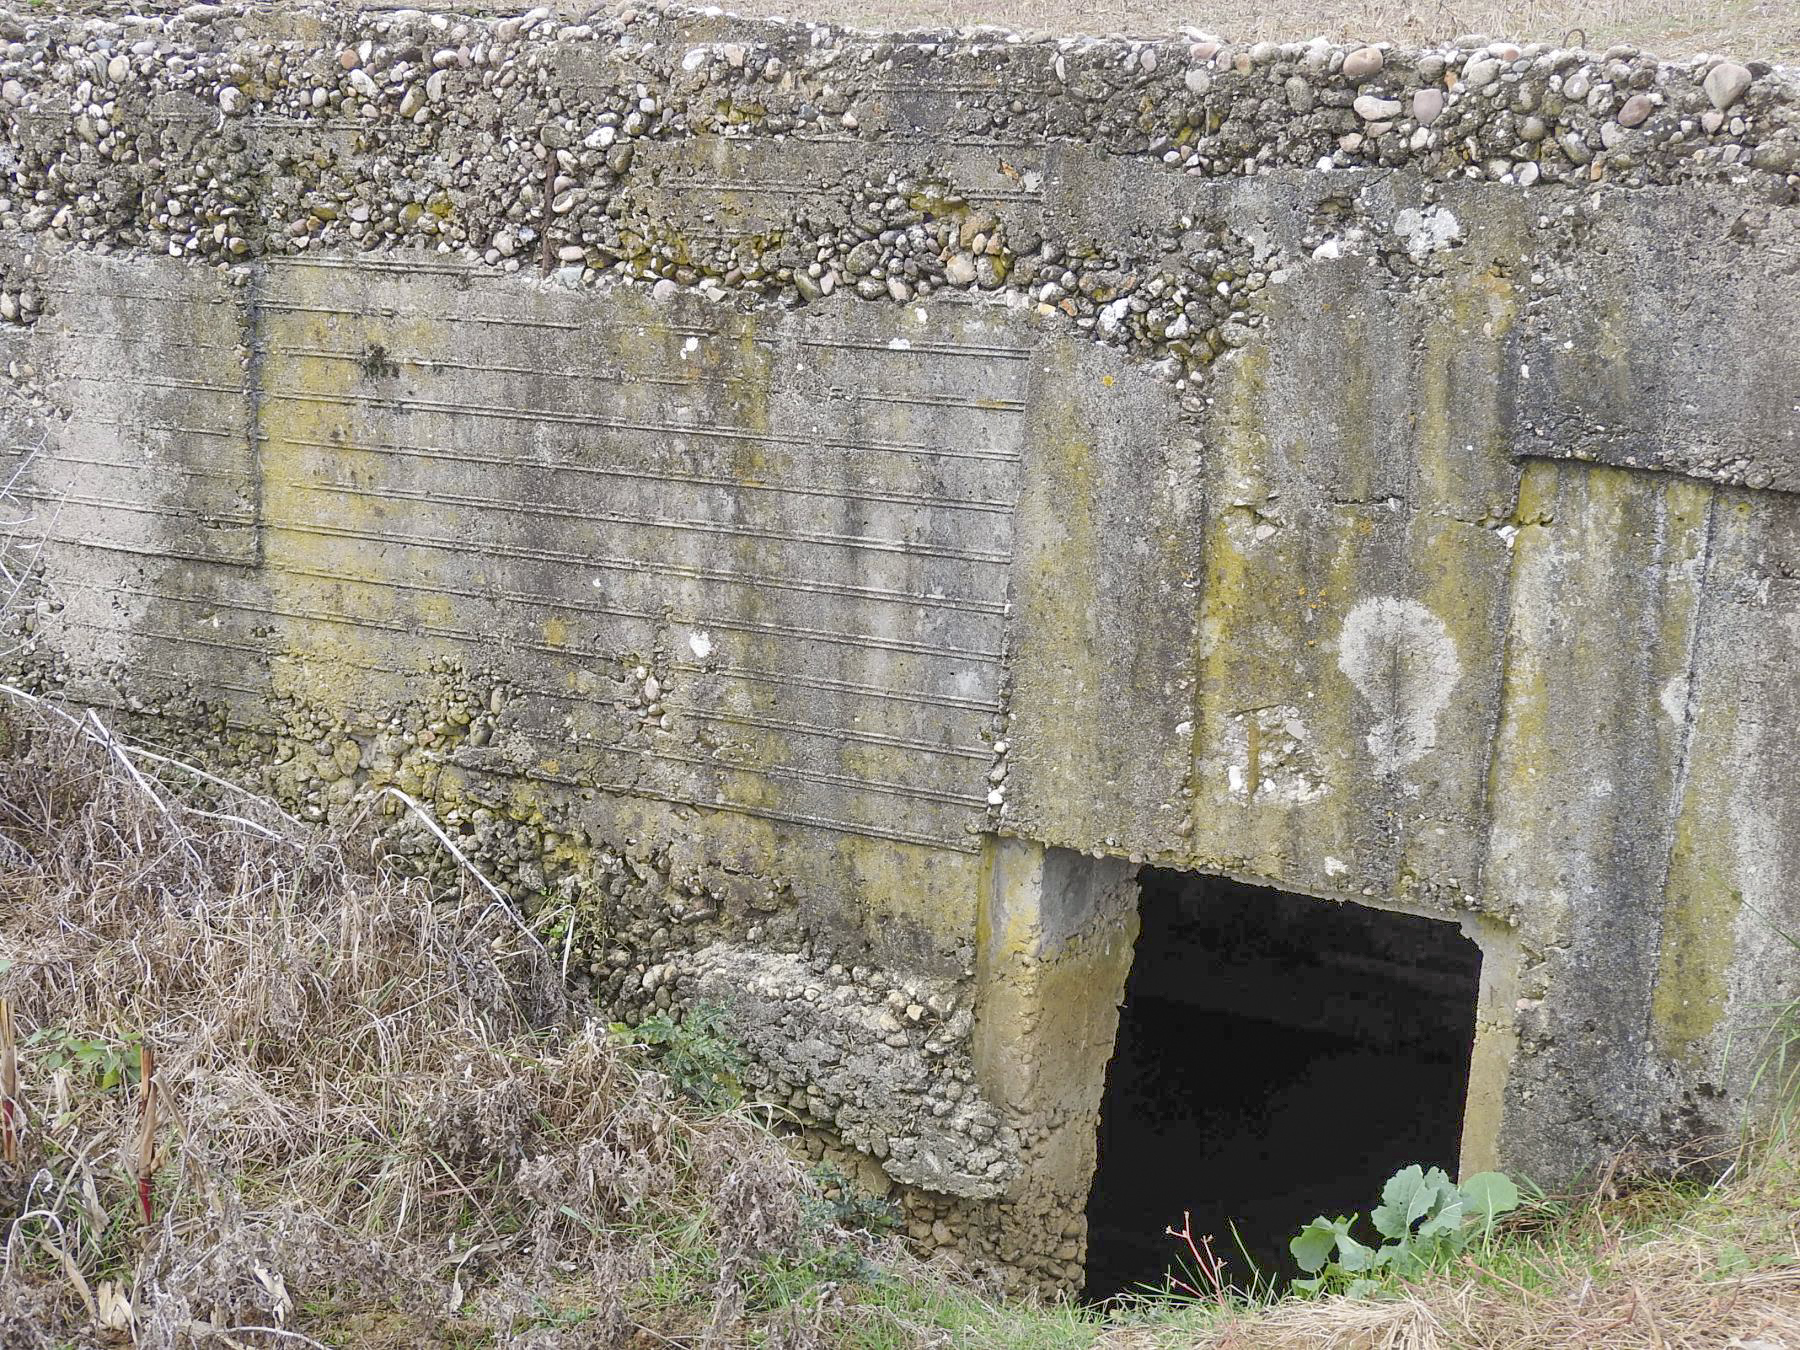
(813, 511)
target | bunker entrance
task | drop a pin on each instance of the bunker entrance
(1278, 1057)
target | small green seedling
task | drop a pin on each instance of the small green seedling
(697, 1053)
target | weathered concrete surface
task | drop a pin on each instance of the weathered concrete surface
(1055, 945)
(785, 496)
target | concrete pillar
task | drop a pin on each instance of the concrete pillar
(1496, 1045)
(1054, 946)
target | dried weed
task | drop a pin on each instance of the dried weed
(367, 1096)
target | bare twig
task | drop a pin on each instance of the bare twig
(138, 752)
(9, 1085)
(91, 726)
(201, 1329)
(13, 573)
(499, 897)
(146, 1140)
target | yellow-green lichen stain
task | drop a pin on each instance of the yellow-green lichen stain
(701, 616)
(1585, 719)
(1593, 650)
(1496, 1044)
(1715, 853)
(1102, 571)
(1064, 667)
(1605, 616)
(1699, 927)
(1355, 505)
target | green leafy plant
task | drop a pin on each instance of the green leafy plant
(1426, 1219)
(696, 1054)
(111, 1061)
(842, 1205)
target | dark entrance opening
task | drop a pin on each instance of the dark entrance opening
(1278, 1057)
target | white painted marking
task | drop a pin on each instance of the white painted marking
(1428, 231)
(700, 643)
(1675, 697)
(1401, 659)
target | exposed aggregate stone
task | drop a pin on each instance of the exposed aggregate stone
(210, 133)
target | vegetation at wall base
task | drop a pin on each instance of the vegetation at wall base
(258, 1091)
(1426, 1221)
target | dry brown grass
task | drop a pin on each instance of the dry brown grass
(1645, 1266)
(1662, 1300)
(371, 1098)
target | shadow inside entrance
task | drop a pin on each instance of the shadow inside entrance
(1278, 1057)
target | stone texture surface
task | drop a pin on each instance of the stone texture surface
(784, 496)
